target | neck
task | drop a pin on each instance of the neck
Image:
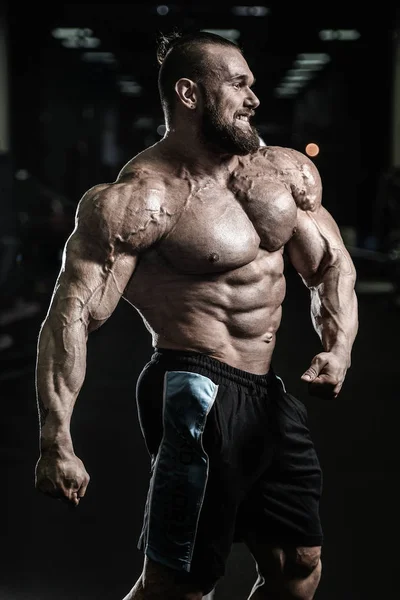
(193, 154)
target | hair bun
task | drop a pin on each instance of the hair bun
(165, 43)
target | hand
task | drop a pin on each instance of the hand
(326, 374)
(61, 475)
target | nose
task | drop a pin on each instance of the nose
(251, 100)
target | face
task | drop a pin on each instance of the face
(229, 103)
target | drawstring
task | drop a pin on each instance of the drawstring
(254, 389)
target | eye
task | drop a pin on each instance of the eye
(237, 86)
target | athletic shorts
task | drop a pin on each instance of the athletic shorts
(231, 457)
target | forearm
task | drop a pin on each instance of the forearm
(60, 372)
(334, 309)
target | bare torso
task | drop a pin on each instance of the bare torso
(214, 282)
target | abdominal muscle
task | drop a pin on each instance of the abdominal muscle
(231, 316)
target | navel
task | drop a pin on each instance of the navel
(213, 257)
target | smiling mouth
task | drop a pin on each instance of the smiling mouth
(242, 119)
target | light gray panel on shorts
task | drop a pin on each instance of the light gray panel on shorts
(180, 473)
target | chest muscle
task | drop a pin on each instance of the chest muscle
(223, 230)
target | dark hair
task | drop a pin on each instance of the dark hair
(182, 56)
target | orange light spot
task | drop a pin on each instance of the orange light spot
(312, 149)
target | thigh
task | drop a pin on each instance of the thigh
(191, 505)
(282, 507)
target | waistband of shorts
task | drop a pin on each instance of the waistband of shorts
(221, 370)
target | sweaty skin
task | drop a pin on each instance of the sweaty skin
(215, 283)
(192, 234)
(202, 262)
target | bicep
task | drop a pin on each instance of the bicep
(317, 245)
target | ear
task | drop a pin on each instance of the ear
(187, 92)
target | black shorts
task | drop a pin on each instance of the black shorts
(231, 456)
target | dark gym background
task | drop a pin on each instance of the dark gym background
(78, 98)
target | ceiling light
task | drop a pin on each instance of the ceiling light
(313, 58)
(250, 11)
(291, 84)
(230, 34)
(343, 35)
(99, 57)
(162, 9)
(298, 76)
(283, 92)
(76, 37)
(81, 42)
(129, 87)
(309, 65)
(22, 174)
(300, 71)
(68, 32)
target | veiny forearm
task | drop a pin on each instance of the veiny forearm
(60, 373)
(334, 308)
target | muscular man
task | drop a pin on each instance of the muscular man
(192, 234)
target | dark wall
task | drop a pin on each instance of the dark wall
(348, 112)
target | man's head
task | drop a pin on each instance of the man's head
(205, 76)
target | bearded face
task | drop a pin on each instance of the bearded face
(228, 130)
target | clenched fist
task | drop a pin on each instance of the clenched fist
(326, 374)
(62, 475)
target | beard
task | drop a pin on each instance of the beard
(227, 137)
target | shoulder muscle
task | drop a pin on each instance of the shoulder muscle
(300, 174)
(130, 216)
